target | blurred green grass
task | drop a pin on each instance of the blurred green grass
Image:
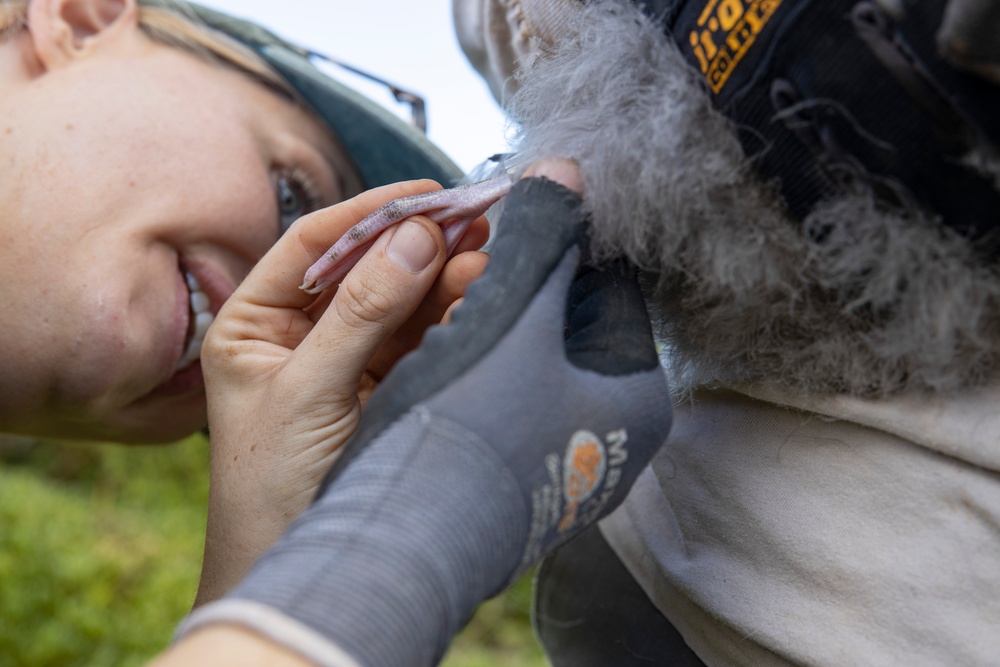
(100, 551)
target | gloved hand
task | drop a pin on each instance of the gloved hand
(288, 374)
(522, 421)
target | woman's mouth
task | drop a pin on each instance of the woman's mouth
(205, 293)
(200, 318)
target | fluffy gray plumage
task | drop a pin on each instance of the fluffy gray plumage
(888, 301)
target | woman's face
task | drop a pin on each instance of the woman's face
(125, 181)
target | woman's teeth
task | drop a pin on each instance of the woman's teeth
(201, 318)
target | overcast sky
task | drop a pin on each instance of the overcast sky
(408, 42)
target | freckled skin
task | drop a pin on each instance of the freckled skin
(453, 209)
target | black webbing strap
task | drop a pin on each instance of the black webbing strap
(826, 91)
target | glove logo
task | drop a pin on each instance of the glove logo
(584, 466)
(580, 485)
(585, 470)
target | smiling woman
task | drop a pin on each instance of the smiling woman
(152, 154)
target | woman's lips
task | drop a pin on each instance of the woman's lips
(201, 293)
(178, 334)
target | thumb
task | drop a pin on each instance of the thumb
(377, 297)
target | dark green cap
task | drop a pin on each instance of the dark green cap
(384, 148)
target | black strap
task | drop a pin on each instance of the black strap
(590, 612)
(827, 92)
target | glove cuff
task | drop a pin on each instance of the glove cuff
(392, 561)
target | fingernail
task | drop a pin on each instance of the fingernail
(412, 248)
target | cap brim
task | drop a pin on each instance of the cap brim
(384, 148)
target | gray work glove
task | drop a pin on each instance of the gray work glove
(511, 429)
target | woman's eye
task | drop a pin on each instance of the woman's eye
(297, 195)
(291, 202)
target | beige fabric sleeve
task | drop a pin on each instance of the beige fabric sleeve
(499, 35)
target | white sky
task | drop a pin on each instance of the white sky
(408, 42)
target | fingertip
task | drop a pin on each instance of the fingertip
(446, 318)
(475, 236)
(468, 266)
(455, 278)
(563, 171)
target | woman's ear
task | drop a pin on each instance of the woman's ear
(64, 30)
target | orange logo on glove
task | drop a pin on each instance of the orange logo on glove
(583, 471)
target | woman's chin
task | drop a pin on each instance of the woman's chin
(173, 410)
(185, 381)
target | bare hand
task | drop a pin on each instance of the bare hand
(287, 375)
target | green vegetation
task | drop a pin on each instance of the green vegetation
(100, 550)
